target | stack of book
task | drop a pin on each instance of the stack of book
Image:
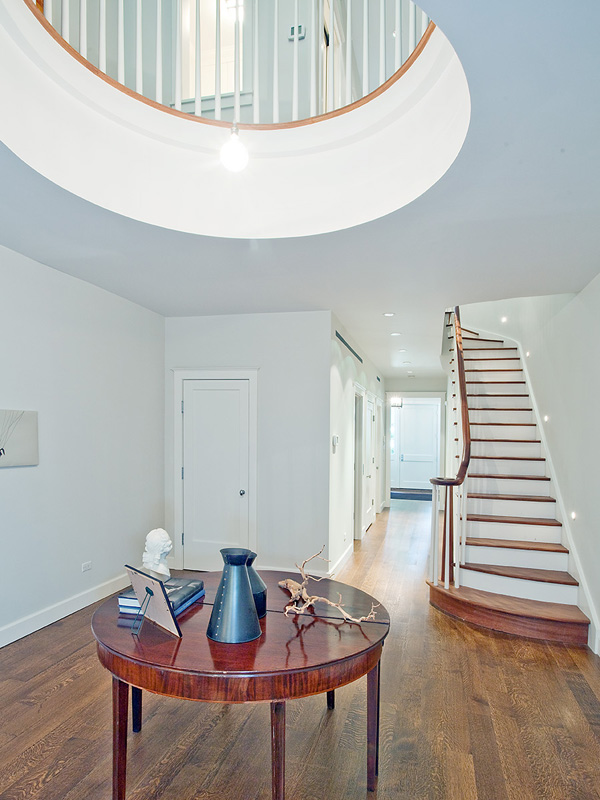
(181, 593)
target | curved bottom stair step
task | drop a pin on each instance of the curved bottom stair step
(533, 619)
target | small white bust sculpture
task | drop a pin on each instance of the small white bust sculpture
(158, 546)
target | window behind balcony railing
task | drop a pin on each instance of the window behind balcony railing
(294, 59)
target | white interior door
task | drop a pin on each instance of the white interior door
(215, 470)
(369, 480)
(418, 443)
(358, 465)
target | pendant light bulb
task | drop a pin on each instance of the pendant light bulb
(234, 155)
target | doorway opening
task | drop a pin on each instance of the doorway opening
(415, 445)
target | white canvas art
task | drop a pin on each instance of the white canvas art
(18, 438)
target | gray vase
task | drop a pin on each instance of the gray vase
(259, 587)
(234, 618)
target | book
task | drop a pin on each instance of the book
(181, 593)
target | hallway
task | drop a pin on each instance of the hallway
(465, 713)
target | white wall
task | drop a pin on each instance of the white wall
(562, 335)
(346, 371)
(91, 365)
(291, 352)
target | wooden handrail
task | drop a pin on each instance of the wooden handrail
(450, 549)
(464, 410)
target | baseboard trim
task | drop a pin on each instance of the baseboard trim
(46, 616)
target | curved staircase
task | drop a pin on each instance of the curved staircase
(513, 577)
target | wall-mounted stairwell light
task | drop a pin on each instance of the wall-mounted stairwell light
(573, 515)
(402, 350)
(395, 334)
(546, 418)
(527, 354)
(234, 155)
(389, 314)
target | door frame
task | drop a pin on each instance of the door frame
(179, 376)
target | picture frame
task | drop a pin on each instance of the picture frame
(153, 600)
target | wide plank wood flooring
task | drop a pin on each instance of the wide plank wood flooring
(466, 713)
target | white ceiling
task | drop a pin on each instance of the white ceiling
(517, 213)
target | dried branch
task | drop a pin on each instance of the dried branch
(300, 600)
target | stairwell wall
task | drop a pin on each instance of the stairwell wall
(561, 333)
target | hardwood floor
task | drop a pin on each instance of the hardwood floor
(466, 713)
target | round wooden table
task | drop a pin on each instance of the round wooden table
(296, 656)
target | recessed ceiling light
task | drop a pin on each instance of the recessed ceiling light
(395, 334)
(402, 350)
(389, 314)
(503, 319)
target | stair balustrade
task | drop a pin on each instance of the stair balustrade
(453, 534)
(258, 62)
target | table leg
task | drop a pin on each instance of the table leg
(331, 699)
(120, 703)
(136, 708)
(278, 749)
(372, 727)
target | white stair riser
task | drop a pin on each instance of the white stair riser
(478, 400)
(503, 431)
(476, 387)
(507, 486)
(530, 590)
(511, 508)
(507, 557)
(490, 466)
(506, 449)
(479, 344)
(491, 415)
(476, 362)
(494, 377)
(516, 532)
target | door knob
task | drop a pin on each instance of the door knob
(242, 492)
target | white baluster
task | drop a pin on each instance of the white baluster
(398, 38)
(236, 64)
(321, 54)
(349, 53)
(435, 543)
(457, 532)
(218, 60)
(178, 55)
(381, 41)
(424, 22)
(159, 53)
(65, 27)
(448, 514)
(314, 34)
(255, 71)
(412, 25)
(330, 57)
(139, 74)
(48, 10)
(102, 37)
(83, 27)
(295, 64)
(121, 41)
(276, 62)
(198, 65)
(365, 47)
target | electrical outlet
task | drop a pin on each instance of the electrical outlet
(345, 535)
(86, 566)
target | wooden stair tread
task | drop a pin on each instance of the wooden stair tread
(509, 458)
(474, 394)
(552, 523)
(511, 477)
(493, 358)
(474, 408)
(538, 609)
(521, 441)
(517, 544)
(479, 339)
(495, 369)
(496, 383)
(472, 349)
(530, 498)
(525, 573)
(509, 424)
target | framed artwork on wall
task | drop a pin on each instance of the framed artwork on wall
(18, 438)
